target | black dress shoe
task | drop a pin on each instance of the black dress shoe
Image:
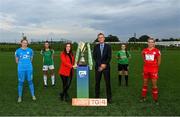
(61, 96)
(109, 101)
(96, 96)
(67, 98)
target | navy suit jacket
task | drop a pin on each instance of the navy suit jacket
(105, 58)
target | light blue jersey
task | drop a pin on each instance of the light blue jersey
(25, 69)
(24, 59)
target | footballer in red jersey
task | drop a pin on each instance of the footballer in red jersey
(152, 60)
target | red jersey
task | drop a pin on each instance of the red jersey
(150, 59)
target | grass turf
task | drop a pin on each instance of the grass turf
(125, 99)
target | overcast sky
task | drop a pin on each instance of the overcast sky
(83, 19)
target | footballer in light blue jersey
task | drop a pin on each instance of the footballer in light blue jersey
(24, 56)
(24, 59)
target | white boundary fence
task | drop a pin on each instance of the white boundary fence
(164, 43)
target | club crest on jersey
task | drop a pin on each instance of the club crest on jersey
(25, 56)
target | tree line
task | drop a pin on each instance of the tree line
(144, 38)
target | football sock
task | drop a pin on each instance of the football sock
(155, 94)
(144, 91)
(31, 87)
(20, 89)
(120, 76)
(126, 78)
(45, 79)
(53, 79)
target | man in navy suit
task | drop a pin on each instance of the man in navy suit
(102, 57)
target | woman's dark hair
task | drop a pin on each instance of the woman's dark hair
(49, 46)
(70, 52)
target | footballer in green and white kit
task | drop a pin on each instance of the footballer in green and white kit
(48, 63)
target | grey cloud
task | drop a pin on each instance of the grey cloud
(85, 18)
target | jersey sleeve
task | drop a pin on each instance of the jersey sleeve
(143, 54)
(129, 54)
(16, 54)
(158, 53)
(52, 51)
(41, 52)
(117, 54)
(32, 54)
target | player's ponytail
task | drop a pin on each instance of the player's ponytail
(127, 54)
(50, 48)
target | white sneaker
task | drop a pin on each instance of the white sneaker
(33, 98)
(19, 99)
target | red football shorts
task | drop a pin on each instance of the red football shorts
(152, 75)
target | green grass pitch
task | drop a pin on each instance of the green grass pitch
(125, 99)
